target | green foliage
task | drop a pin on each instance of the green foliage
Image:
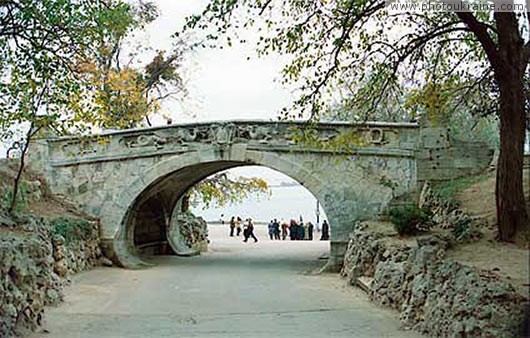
(448, 190)
(124, 95)
(220, 190)
(41, 43)
(410, 219)
(461, 229)
(21, 203)
(39, 84)
(72, 230)
(309, 136)
(70, 79)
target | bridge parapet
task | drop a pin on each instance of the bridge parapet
(132, 179)
(391, 139)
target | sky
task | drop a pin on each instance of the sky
(263, 208)
(224, 85)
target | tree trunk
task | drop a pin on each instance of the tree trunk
(21, 166)
(512, 219)
(509, 64)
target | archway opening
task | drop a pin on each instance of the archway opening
(274, 213)
(156, 215)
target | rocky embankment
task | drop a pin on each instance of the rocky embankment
(39, 250)
(433, 295)
(35, 263)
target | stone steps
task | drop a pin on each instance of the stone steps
(365, 283)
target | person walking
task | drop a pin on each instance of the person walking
(325, 231)
(249, 231)
(232, 226)
(238, 226)
(293, 230)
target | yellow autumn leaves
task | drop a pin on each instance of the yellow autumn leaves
(119, 97)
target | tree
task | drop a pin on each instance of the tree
(124, 95)
(41, 43)
(221, 189)
(334, 41)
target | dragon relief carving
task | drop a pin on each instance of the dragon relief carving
(183, 135)
(78, 148)
(261, 133)
(225, 133)
(151, 140)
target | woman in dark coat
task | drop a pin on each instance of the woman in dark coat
(325, 231)
(301, 232)
(310, 231)
(292, 230)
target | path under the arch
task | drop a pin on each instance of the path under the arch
(264, 289)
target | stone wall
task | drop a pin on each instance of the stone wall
(188, 233)
(194, 231)
(74, 256)
(119, 176)
(34, 267)
(435, 296)
(442, 158)
(28, 279)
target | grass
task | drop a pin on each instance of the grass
(449, 189)
(72, 229)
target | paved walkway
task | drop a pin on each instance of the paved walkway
(264, 289)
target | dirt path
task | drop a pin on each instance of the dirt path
(236, 290)
(507, 260)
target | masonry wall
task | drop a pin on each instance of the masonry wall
(441, 158)
(111, 176)
(433, 295)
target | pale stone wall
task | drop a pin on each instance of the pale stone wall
(131, 180)
(436, 296)
(34, 265)
(441, 158)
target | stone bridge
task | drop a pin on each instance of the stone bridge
(133, 179)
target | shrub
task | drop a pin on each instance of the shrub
(71, 229)
(7, 197)
(410, 219)
(462, 229)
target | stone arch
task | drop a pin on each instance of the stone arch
(106, 178)
(115, 215)
(346, 192)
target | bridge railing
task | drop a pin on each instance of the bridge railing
(399, 139)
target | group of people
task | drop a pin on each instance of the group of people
(247, 228)
(296, 231)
